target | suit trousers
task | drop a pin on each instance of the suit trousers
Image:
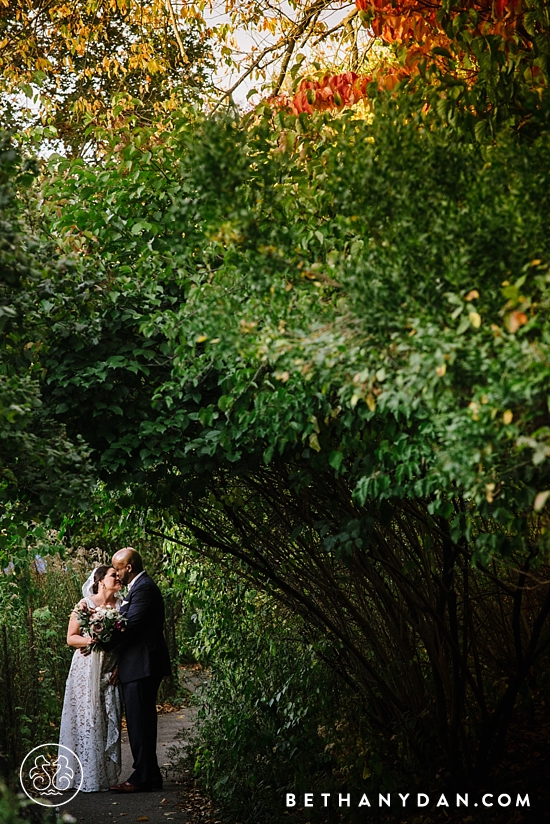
(140, 701)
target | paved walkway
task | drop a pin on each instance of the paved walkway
(165, 805)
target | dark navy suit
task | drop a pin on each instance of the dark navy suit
(143, 660)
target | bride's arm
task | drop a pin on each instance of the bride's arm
(74, 634)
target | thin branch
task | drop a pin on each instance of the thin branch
(354, 50)
(243, 77)
(300, 30)
(173, 20)
(342, 24)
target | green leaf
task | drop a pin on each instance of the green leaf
(335, 460)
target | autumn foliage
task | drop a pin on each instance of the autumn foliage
(420, 24)
(330, 92)
(91, 62)
(444, 40)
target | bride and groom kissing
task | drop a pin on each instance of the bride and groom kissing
(133, 662)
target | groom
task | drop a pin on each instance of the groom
(143, 661)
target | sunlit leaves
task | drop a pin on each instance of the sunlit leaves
(474, 57)
(86, 66)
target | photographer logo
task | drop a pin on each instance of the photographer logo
(51, 775)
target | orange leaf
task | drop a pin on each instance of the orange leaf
(514, 320)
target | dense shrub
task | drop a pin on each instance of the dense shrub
(271, 689)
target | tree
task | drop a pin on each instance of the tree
(98, 63)
(488, 61)
(40, 467)
(321, 350)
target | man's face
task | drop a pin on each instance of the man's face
(123, 571)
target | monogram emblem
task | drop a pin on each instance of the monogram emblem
(51, 775)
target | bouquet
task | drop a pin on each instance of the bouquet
(99, 623)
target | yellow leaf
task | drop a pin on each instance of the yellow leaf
(371, 403)
(201, 338)
(314, 442)
(247, 325)
(508, 417)
(472, 295)
(282, 376)
(541, 499)
(440, 370)
(475, 319)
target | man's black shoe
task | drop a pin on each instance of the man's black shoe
(150, 788)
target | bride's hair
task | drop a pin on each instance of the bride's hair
(99, 575)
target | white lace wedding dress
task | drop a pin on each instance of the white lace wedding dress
(90, 721)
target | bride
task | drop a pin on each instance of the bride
(91, 717)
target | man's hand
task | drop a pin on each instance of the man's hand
(114, 679)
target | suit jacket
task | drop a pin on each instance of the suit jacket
(141, 649)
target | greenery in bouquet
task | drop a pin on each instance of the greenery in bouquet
(99, 623)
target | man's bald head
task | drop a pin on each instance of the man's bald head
(127, 563)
